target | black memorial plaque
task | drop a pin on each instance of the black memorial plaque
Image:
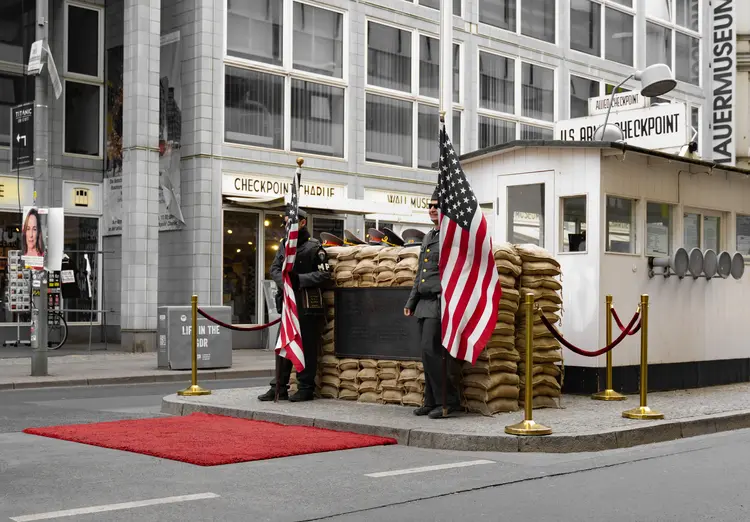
(22, 136)
(370, 324)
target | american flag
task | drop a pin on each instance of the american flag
(289, 344)
(468, 275)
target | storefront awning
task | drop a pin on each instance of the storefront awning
(336, 205)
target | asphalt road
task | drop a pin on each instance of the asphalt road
(702, 478)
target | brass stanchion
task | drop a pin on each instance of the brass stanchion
(609, 394)
(194, 389)
(528, 426)
(643, 412)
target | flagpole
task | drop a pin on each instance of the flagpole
(446, 63)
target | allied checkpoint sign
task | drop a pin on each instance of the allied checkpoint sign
(659, 127)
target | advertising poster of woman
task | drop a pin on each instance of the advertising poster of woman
(33, 247)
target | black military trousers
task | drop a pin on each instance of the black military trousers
(432, 360)
(311, 328)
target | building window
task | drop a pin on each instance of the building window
(331, 225)
(502, 108)
(743, 235)
(397, 103)
(658, 229)
(17, 30)
(537, 18)
(435, 4)
(262, 73)
(83, 81)
(573, 236)
(241, 261)
(82, 235)
(14, 90)
(610, 21)
(581, 89)
(672, 37)
(620, 231)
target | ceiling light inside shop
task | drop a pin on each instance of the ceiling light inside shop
(249, 242)
(229, 231)
(266, 223)
(275, 247)
(239, 250)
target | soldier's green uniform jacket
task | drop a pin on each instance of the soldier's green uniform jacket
(424, 299)
(311, 268)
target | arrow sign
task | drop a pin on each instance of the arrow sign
(22, 126)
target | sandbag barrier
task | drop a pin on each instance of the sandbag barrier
(238, 328)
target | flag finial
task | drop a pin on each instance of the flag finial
(300, 161)
(442, 116)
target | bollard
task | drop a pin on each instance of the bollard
(528, 426)
(643, 412)
(609, 394)
(194, 389)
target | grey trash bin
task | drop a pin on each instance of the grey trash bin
(175, 338)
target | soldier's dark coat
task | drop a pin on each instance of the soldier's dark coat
(424, 299)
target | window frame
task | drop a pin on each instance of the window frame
(737, 215)
(260, 215)
(672, 230)
(561, 229)
(517, 117)
(100, 141)
(519, 22)
(703, 213)
(412, 96)
(462, 7)
(289, 73)
(610, 4)
(635, 213)
(100, 42)
(100, 298)
(674, 28)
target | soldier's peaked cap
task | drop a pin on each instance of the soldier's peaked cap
(390, 238)
(330, 240)
(351, 239)
(435, 194)
(412, 236)
(376, 236)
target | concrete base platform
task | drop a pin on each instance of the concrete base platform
(581, 425)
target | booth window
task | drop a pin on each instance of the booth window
(239, 277)
(702, 229)
(743, 235)
(526, 214)
(587, 17)
(573, 234)
(658, 229)
(263, 70)
(620, 231)
(537, 18)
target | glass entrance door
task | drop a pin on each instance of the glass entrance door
(241, 263)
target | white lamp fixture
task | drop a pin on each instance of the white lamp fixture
(656, 80)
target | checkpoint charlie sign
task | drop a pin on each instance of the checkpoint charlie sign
(656, 127)
(621, 102)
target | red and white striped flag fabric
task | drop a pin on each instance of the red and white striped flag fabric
(289, 344)
(468, 275)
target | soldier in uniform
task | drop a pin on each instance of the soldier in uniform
(424, 304)
(310, 275)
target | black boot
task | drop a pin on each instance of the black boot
(302, 395)
(423, 410)
(271, 395)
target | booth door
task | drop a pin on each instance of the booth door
(525, 209)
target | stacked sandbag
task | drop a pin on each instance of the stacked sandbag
(405, 270)
(333, 255)
(348, 380)
(391, 389)
(367, 376)
(330, 384)
(364, 271)
(492, 384)
(346, 262)
(540, 273)
(387, 259)
(413, 387)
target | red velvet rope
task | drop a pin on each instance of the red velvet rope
(238, 328)
(579, 351)
(621, 327)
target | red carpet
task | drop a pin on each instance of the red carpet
(209, 440)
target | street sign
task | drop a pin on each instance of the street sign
(22, 136)
(35, 58)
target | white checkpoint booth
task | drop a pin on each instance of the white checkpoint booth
(613, 215)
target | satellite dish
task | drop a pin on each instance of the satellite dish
(725, 265)
(695, 264)
(738, 265)
(710, 263)
(680, 262)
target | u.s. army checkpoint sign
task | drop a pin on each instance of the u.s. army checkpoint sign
(657, 127)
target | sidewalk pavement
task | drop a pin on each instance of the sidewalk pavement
(97, 368)
(581, 425)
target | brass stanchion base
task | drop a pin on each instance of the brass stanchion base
(608, 395)
(193, 390)
(527, 428)
(642, 413)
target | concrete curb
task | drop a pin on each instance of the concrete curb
(433, 439)
(136, 379)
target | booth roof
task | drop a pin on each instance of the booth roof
(624, 147)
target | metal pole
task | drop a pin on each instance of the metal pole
(41, 175)
(643, 412)
(609, 394)
(194, 389)
(528, 426)
(445, 385)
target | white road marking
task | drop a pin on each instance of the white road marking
(429, 468)
(113, 507)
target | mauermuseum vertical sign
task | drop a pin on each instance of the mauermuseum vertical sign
(723, 76)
